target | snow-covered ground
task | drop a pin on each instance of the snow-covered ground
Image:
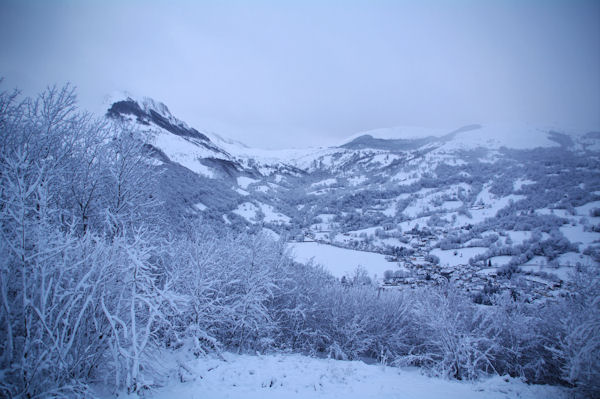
(518, 236)
(448, 257)
(183, 151)
(244, 181)
(296, 376)
(341, 261)
(576, 234)
(500, 260)
(249, 211)
(272, 216)
(488, 136)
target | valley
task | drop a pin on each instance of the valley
(487, 209)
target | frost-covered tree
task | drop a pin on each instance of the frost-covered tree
(578, 347)
(452, 337)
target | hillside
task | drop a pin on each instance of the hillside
(488, 208)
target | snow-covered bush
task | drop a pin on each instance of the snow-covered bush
(452, 338)
(578, 346)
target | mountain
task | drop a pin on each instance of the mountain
(479, 197)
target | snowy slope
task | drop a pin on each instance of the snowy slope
(467, 137)
(192, 146)
(495, 137)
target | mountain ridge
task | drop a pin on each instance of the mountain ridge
(499, 197)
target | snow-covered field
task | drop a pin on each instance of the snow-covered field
(296, 376)
(448, 257)
(341, 261)
(249, 211)
(576, 234)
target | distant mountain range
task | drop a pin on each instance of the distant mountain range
(457, 187)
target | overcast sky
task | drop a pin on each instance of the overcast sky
(280, 74)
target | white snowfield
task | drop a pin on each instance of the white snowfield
(448, 257)
(296, 376)
(487, 135)
(249, 211)
(341, 261)
(183, 151)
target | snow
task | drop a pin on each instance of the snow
(575, 234)
(429, 200)
(272, 216)
(519, 183)
(416, 208)
(271, 234)
(326, 224)
(318, 192)
(451, 205)
(562, 213)
(563, 272)
(249, 210)
(411, 224)
(447, 257)
(324, 183)
(540, 264)
(492, 204)
(356, 180)
(263, 188)
(584, 210)
(244, 181)
(263, 156)
(146, 104)
(497, 136)
(573, 258)
(488, 136)
(341, 261)
(406, 178)
(500, 260)
(393, 242)
(369, 231)
(200, 206)
(327, 217)
(183, 151)
(518, 236)
(537, 261)
(538, 280)
(488, 271)
(390, 211)
(297, 376)
(384, 159)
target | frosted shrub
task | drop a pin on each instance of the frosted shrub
(450, 336)
(578, 348)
